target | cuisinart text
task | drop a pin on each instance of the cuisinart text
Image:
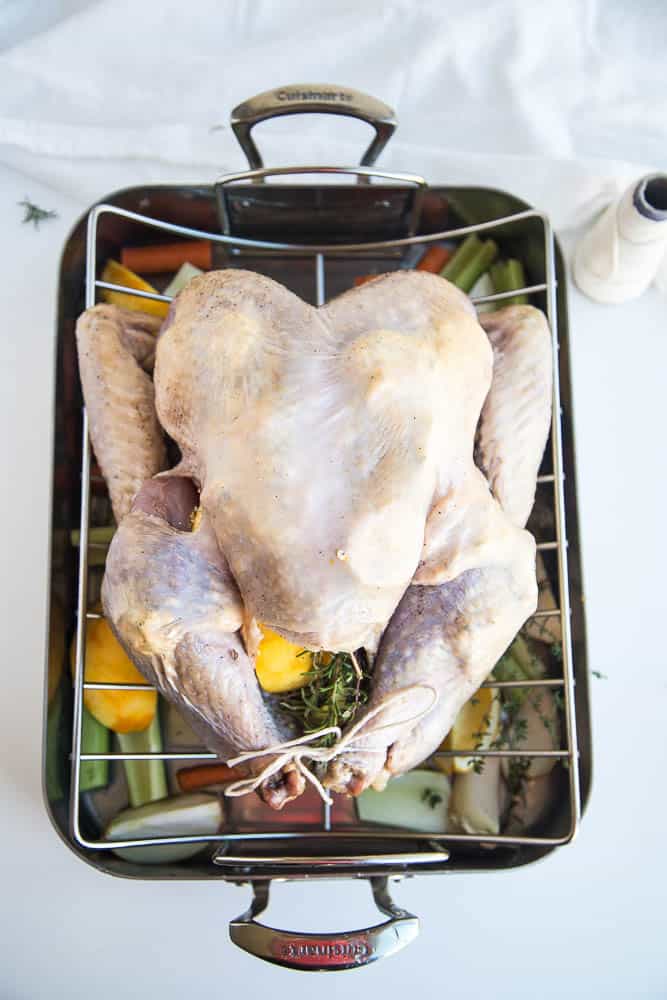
(314, 95)
(334, 951)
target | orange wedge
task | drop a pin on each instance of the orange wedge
(117, 274)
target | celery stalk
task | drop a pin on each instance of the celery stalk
(498, 273)
(54, 751)
(96, 536)
(465, 252)
(507, 669)
(506, 276)
(95, 738)
(518, 664)
(532, 668)
(476, 266)
(516, 278)
(146, 779)
(99, 540)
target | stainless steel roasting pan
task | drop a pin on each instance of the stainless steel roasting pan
(315, 237)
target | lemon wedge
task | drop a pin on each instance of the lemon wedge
(280, 665)
(117, 274)
(476, 727)
(106, 661)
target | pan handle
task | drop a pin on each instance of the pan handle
(312, 98)
(324, 952)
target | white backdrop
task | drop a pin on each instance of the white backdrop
(560, 103)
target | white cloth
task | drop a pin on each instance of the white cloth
(562, 103)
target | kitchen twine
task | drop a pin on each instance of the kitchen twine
(295, 751)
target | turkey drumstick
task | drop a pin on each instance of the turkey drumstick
(176, 610)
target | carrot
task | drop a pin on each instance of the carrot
(434, 259)
(191, 778)
(167, 256)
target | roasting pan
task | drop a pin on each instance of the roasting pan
(315, 234)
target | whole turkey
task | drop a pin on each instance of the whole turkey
(354, 476)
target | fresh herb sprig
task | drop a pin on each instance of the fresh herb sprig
(337, 686)
(431, 797)
(33, 213)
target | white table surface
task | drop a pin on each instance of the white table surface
(586, 922)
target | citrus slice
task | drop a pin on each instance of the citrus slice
(280, 665)
(107, 662)
(117, 274)
(476, 727)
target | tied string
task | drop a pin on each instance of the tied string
(298, 750)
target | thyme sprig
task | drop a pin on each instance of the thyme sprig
(33, 213)
(336, 687)
(431, 797)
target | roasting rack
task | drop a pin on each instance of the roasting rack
(281, 849)
(556, 479)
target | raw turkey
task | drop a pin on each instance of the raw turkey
(330, 454)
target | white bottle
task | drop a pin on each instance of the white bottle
(620, 255)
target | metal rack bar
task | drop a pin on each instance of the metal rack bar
(471, 752)
(559, 545)
(544, 613)
(308, 249)
(82, 597)
(476, 300)
(161, 755)
(207, 755)
(539, 682)
(506, 840)
(561, 540)
(320, 299)
(138, 292)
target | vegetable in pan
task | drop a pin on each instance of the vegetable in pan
(95, 738)
(417, 800)
(132, 715)
(107, 662)
(472, 259)
(180, 816)
(477, 727)
(491, 795)
(507, 275)
(117, 274)
(162, 257)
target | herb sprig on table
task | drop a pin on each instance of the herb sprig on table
(33, 213)
(336, 688)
